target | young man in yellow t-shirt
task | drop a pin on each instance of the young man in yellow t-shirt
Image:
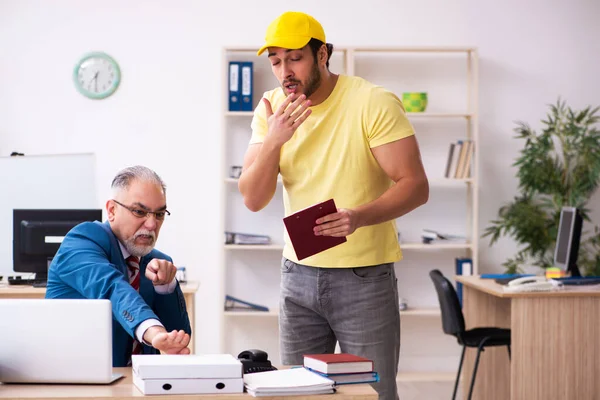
(340, 137)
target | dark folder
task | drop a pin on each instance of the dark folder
(300, 229)
(235, 82)
(247, 86)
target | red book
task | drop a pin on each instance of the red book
(300, 229)
(341, 363)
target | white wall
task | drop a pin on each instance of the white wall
(166, 113)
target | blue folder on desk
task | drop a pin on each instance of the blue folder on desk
(503, 279)
(579, 280)
(503, 276)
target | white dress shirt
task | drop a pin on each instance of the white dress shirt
(160, 289)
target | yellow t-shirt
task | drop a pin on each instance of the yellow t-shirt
(330, 156)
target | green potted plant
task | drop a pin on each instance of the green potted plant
(558, 167)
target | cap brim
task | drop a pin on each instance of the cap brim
(286, 42)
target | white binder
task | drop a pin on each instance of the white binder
(189, 386)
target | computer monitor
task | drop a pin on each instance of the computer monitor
(37, 235)
(567, 240)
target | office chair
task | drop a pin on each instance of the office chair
(453, 323)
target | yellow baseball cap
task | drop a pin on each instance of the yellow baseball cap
(292, 30)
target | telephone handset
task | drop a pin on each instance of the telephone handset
(529, 284)
(255, 360)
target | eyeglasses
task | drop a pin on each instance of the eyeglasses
(138, 212)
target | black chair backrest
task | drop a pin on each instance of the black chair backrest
(453, 322)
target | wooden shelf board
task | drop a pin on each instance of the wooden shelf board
(409, 114)
(417, 312)
(411, 49)
(403, 49)
(449, 181)
(253, 247)
(239, 113)
(252, 314)
(435, 246)
(235, 180)
(403, 246)
(438, 115)
(432, 181)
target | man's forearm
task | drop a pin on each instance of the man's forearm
(150, 332)
(140, 331)
(406, 195)
(258, 182)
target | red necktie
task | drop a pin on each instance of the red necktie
(133, 266)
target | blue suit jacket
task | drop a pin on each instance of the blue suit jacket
(89, 265)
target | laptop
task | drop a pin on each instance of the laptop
(56, 341)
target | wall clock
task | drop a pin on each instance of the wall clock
(97, 75)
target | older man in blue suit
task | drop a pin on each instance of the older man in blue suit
(116, 260)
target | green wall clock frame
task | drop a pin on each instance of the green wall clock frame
(97, 75)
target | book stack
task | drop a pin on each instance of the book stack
(342, 368)
(187, 374)
(287, 382)
(460, 154)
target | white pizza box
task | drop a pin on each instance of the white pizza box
(189, 386)
(172, 366)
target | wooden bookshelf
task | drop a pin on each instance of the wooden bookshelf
(243, 263)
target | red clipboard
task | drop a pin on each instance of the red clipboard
(300, 226)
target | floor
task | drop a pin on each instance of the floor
(427, 390)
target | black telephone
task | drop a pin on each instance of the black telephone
(255, 360)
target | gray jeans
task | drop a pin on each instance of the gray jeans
(356, 306)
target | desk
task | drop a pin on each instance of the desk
(29, 292)
(555, 342)
(125, 390)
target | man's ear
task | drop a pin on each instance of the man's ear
(110, 210)
(322, 55)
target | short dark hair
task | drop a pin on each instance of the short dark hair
(316, 44)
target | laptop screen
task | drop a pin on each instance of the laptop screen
(55, 341)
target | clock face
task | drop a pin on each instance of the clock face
(97, 75)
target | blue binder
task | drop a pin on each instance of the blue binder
(233, 303)
(461, 270)
(235, 83)
(247, 86)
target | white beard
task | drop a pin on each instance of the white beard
(140, 250)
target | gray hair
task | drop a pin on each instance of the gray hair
(137, 172)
